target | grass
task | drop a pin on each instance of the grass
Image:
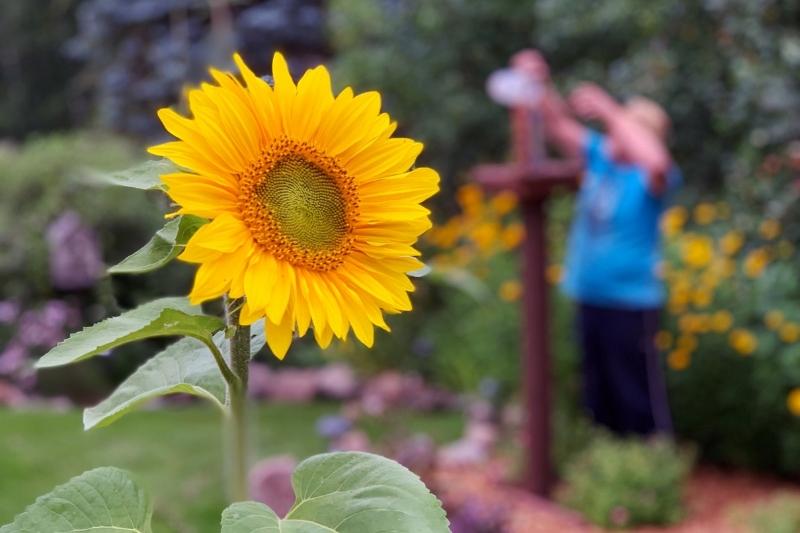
(175, 453)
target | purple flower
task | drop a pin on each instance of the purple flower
(13, 358)
(74, 252)
(9, 310)
(333, 426)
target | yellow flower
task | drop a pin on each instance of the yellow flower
(554, 273)
(755, 262)
(793, 401)
(689, 323)
(698, 250)
(721, 321)
(705, 213)
(710, 279)
(504, 202)
(727, 268)
(773, 320)
(743, 341)
(446, 235)
(313, 209)
(512, 235)
(510, 290)
(702, 297)
(676, 307)
(663, 340)
(769, 229)
(673, 220)
(687, 342)
(485, 235)
(789, 332)
(679, 359)
(731, 242)
(470, 198)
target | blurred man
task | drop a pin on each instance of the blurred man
(613, 249)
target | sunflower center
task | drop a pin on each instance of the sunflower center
(305, 202)
(300, 205)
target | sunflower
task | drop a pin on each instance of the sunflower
(314, 207)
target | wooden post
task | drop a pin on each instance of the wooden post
(532, 176)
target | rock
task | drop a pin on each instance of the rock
(333, 426)
(475, 516)
(352, 441)
(259, 380)
(461, 453)
(481, 433)
(271, 483)
(417, 453)
(337, 381)
(292, 385)
(10, 395)
(395, 390)
(474, 448)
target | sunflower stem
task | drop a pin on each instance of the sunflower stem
(238, 437)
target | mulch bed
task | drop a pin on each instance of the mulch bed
(714, 497)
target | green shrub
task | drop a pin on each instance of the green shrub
(732, 335)
(627, 482)
(778, 514)
(39, 181)
(45, 177)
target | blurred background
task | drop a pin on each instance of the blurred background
(80, 81)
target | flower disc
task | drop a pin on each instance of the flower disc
(313, 207)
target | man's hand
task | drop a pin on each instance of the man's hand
(589, 101)
(560, 126)
(532, 63)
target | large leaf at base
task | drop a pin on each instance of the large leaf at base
(346, 492)
(165, 246)
(103, 500)
(163, 317)
(184, 367)
(146, 176)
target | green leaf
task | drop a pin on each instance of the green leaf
(248, 517)
(165, 246)
(421, 272)
(103, 500)
(159, 318)
(462, 280)
(146, 176)
(346, 492)
(183, 367)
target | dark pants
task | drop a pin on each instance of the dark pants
(623, 386)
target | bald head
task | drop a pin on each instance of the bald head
(650, 115)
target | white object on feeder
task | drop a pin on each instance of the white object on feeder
(512, 88)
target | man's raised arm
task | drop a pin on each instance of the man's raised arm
(561, 128)
(629, 133)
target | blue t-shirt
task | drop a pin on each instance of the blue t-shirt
(613, 250)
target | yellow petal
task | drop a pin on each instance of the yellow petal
(284, 90)
(323, 337)
(278, 300)
(386, 158)
(259, 279)
(223, 234)
(279, 336)
(314, 97)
